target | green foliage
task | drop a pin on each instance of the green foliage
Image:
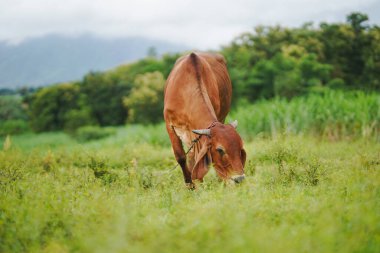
(287, 74)
(11, 108)
(296, 76)
(145, 102)
(270, 62)
(128, 73)
(98, 98)
(89, 133)
(332, 114)
(371, 75)
(13, 116)
(292, 168)
(77, 118)
(356, 20)
(115, 195)
(51, 104)
(11, 127)
(274, 61)
(103, 95)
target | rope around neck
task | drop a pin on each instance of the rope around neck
(193, 142)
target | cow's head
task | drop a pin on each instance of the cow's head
(224, 148)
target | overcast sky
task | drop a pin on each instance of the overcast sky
(202, 24)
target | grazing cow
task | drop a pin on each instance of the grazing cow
(197, 100)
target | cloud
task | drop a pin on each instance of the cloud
(197, 23)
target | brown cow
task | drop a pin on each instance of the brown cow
(197, 100)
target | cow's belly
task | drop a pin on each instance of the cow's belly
(184, 135)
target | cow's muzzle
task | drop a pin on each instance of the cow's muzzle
(238, 178)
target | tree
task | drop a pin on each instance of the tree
(13, 115)
(356, 20)
(288, 61)
(371, 73)
(49, 106)
(103, 96)
(11, 108)
(145, 102)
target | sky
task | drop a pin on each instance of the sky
(198, 24)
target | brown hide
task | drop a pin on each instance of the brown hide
(198, 96)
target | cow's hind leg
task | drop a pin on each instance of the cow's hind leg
(180, 154)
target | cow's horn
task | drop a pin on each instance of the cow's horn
(202, 132)
(234, 123)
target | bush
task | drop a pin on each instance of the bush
(88, 133)
(13, 127)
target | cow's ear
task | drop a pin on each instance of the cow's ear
(234, 123)
(201, 162)
(243, 156)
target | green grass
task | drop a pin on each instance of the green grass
(332, 114)
(302, 194)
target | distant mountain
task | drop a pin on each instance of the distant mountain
(54, 58)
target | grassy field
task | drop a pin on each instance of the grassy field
(118, 194)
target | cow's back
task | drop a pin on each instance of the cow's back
(196, 73)
(219, 68)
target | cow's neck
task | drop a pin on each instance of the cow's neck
(203, 116)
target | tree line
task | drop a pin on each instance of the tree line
(278, 61)
(271, 61)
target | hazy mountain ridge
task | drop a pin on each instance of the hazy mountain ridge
(55, 58)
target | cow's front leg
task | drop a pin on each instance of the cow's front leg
(180, 155)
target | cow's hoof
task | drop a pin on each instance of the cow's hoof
(190, 186)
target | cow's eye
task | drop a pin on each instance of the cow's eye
(220, 150)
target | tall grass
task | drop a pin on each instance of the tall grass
(111, 195)
(333, 114)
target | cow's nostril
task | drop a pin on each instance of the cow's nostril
(238, 179)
